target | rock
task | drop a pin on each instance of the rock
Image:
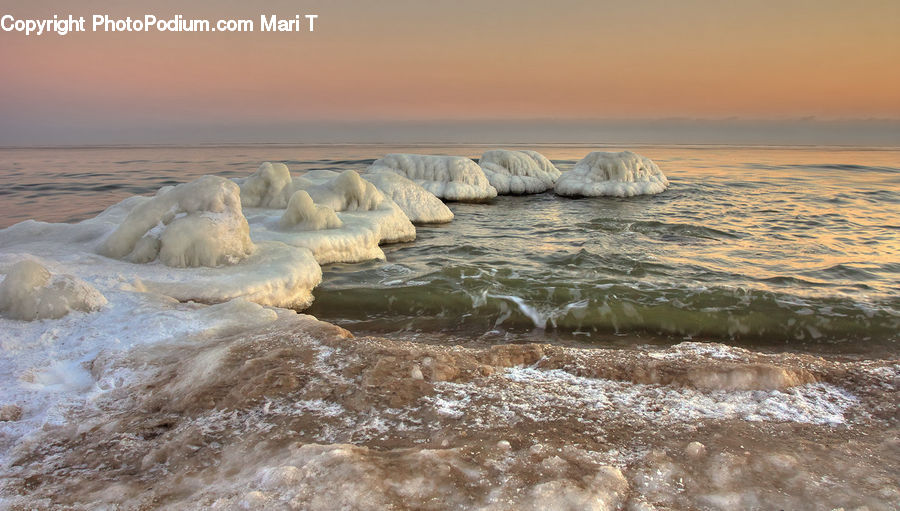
(10, 413)
(695, 450)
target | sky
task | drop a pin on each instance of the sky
(372, 62)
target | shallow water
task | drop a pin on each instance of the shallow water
(793, 248)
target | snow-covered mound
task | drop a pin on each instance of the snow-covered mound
(420, 205)
(31, 292)
(518, 172)
(449, 177)
(269, 187)
(193, 224)
(622, 174)
(305, 215)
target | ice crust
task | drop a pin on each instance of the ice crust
(292, 412)
(347, 192)
(452, 178)
(420, 205)
(193, 224)
(518, 172)
(196, 241)
(271, 186)
(29, 292)
(305, 215)
(623, 174)
(367, 219)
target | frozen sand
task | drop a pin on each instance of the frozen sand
(301, 415)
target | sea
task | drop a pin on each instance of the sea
(792, 248)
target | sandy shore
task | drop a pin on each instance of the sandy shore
(303, 415)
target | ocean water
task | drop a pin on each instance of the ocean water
(786, 247)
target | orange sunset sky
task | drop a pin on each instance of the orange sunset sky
(393, 60)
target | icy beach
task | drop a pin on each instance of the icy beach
(369, 327)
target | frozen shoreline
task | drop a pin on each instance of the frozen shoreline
(161, 384)
(300, 414)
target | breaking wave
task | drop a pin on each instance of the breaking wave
(446, 301)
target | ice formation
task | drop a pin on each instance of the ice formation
(193, 224)
(364, 218)
(276, 274)
(518, 172)
(270, 186)
(31, 292)
(196, 230)
(303, 214)
(347, 192)
(451, 178)
(420, 205)
(623, 174)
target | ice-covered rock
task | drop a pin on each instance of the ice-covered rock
(270, 186)
(315, 177)
(31, 292)
(347, 192)
(196, 229)
(420, 205)
(367, 218)
(449, 177)
(275, 274)
(193, 224)
(518, 172)
(303, 214)
(623, 174)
